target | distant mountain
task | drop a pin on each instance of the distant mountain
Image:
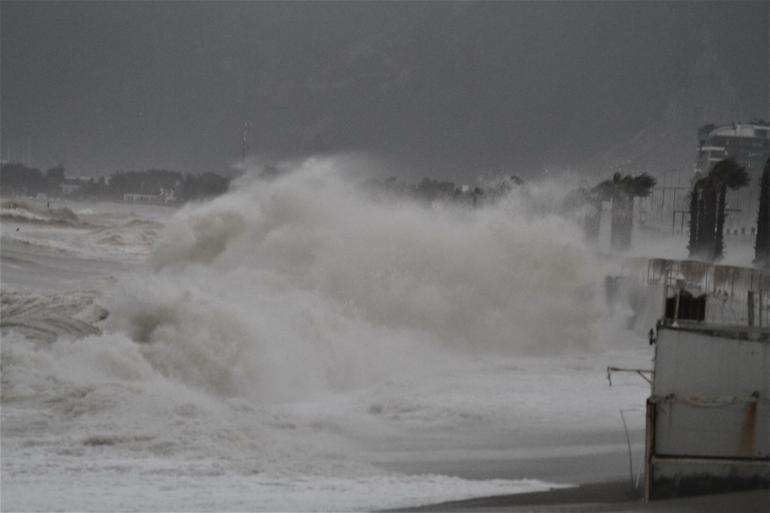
(706, 96)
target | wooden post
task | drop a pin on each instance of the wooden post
(678, 290)
(666, 277)
(649, 447)
(760, 308)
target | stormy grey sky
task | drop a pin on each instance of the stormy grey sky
(442, 89)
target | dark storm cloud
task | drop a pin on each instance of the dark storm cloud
(444, 88)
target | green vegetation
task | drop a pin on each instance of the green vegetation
(154, 184)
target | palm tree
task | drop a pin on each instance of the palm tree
(708, 204)
(762, 244)
(592, 217)
(622, 190)
(696, 202)
(587, 204)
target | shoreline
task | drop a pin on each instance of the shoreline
(605, 466)
(602, 484)
(611, 496)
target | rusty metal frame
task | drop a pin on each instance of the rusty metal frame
(646, 374)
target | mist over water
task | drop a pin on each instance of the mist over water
(270, 349)
(308, 283)
(314, 339)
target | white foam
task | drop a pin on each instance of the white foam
(306, 283)
(288, 328)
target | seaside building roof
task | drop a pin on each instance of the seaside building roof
(748, 143)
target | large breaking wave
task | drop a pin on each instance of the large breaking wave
(214, 370)
(308, 283)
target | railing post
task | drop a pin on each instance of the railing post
(649, 447)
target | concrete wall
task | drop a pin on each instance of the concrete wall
(679, 477)
(709, 414)
(738, 429)
(690, 363)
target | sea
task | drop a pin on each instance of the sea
(306, 343)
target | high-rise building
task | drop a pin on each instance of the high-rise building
(748, 143)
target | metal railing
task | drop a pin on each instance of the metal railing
(738, 296)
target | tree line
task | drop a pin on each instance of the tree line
(18, 179)
(430, 190)
(708, 209)
(169, 186)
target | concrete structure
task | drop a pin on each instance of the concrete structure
(708, 418)
(748, 143)
(165, 196)
(71, 185)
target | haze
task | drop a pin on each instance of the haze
(439, 89)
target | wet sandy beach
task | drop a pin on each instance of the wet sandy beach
(615, 496)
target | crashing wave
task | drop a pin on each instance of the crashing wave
(303, 284)
(139, 233)
(19, 211)
(46, 317)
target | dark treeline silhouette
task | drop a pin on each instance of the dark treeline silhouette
(431, 190)
(708, 206)
(153, 184)
(16, 178)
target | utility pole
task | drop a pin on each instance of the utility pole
(673, 189)
(245, 140)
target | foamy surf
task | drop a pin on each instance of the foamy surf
(29, 212)
(91, 424)
(288, 336)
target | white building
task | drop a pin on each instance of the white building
(748, 143)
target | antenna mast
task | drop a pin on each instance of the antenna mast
(245, 140)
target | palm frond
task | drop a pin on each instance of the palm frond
(728, 173)
(604, 190)
(639, 186)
